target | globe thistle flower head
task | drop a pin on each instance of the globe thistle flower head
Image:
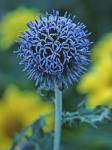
(54, 50)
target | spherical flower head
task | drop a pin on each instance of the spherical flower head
(54, 50)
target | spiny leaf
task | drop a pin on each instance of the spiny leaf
(86, 115)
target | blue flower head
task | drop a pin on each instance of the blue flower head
(54, 50)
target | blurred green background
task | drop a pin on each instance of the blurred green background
(97, 15)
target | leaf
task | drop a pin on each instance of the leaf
(36, 140)
(86, 115)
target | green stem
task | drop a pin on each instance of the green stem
(58, 115)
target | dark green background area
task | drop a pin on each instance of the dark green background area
(97, 15)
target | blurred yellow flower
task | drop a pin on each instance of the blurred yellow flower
(99, 77)
(98, 84)
(14, 23)
(20, 108)
(103, 49)
(100, 98)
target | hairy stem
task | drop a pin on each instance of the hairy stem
(58, 115)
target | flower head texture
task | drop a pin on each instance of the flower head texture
(54, 50)
(13, 23)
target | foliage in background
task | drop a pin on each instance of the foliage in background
(83, 115)
(38, 140)
(20, 108)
